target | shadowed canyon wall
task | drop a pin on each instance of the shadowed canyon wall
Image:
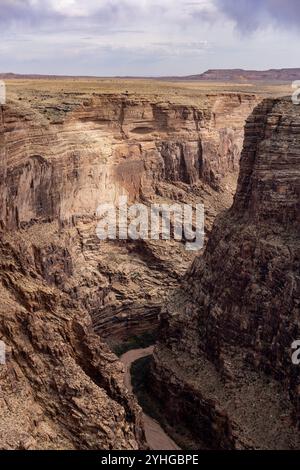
(223, 368)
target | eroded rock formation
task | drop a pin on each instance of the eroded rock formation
(61, 386)
(223, 368)
(112, 145)
(59, 163)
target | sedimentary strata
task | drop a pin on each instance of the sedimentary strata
(223, 368)
(61, 386)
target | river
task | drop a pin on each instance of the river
(156, 437)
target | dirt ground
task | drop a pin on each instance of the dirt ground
(191, 92)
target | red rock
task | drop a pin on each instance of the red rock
(235, 345)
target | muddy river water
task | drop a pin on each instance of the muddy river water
(156, 437)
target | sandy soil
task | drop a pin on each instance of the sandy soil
(156, 437)
(72, 92)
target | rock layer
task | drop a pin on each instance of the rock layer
(58, 163)
(61, 386)
(112, 145)
(223, 368)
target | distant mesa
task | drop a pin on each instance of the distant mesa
(237, 75)
(218, 75)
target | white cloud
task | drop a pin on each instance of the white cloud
(115, 37)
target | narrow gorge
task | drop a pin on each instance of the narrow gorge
(70, 301)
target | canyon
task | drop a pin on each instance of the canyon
(155, 436)
(60, 162)
(68, 300)
(223, 368)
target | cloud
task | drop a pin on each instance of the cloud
(257, 14)
(248, 15)
(128, 37)
(58, 13)
(101, 12)
(28, 12)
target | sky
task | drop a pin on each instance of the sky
(147, 37)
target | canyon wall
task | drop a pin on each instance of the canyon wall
(59, 162)
(223, 368)
(110, 146)
(61, 387)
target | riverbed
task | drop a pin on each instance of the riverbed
(156, 437)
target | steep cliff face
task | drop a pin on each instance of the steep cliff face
(61, 387)
(59, 163)
(110, 146)
(224, 360)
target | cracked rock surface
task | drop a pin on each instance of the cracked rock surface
(223, 367)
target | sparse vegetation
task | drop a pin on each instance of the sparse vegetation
(62, 95)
